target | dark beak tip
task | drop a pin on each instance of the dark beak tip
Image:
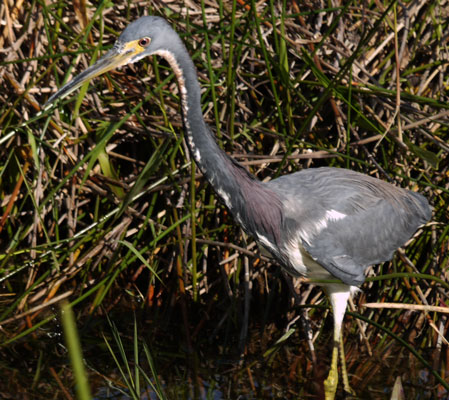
(50, 101)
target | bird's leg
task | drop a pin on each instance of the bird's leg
(338, 295)
(344, 371)
(331, 382)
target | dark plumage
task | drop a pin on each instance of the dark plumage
(379, 218)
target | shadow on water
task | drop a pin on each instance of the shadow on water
(208, 368)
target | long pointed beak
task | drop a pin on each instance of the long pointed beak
(119, 55)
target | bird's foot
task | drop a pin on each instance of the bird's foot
(330, 384)
(348, 391)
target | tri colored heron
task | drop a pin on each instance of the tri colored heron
(323, 223)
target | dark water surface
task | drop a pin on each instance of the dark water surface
(210, 367)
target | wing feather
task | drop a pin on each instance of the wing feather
(348, 221)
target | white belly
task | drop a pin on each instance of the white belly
(304, 264)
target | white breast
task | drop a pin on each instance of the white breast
(303, 263)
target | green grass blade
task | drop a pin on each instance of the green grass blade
(75, 352)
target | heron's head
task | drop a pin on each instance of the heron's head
(141, 38)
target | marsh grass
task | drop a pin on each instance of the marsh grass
(102, 207)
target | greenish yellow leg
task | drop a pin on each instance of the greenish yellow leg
(338, 295)
(331, 382)
(344, 371)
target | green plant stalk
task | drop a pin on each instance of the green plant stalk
(157, 385)
(210, 71)
(193, 230)
(284, 66)
(75, 352)
(136, 357)
(349, 119)
(269, 69)
(109, 171)
(230, 76)
(126, 375)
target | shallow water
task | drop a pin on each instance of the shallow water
(38, 367)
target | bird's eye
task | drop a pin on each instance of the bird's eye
(144, 42)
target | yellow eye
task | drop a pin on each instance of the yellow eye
(144, 42)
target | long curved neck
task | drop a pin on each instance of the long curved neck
(245, 196)
(219, 169)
